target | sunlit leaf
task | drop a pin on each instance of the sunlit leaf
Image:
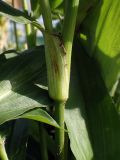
(40, 115)
(102, 28)
(55, 3)
(75, 119)
(103, 119)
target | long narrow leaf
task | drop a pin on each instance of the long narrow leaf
(18, 90)
(75, 119)
(14, 14)
(102, 27)
(36, 10)
(103, 119)
(40, 115)
(18, 16)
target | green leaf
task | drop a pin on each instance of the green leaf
(40, 115)
(34, 131)
(36, 10)
(117, 97)
(84, 6)
(19, 91)
(102, 28)
(14, 14)
(55, 3)
(75, 119)
(18, 139)
(103, 119)
(58, 13)
(13, 104)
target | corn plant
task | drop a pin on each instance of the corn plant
(61, 100)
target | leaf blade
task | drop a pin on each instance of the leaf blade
(14, 14)
(18, 91)
(103, 39)
(75, 119)
(103, 119)
(40, 115)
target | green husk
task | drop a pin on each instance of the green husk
(57, 67)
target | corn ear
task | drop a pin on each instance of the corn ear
(57, 68)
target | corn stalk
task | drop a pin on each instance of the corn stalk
(58, 60)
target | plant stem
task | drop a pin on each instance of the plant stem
(59, 137)
(28, 27)
(56, 68)
(43, 145)
(46, 12)
(68, 34)
(69, 27)
(16, 36)
(28, 31)
(3, 154)
(66, 145)
(15, 31)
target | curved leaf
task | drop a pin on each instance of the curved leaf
(14, 14)
(102, 28)
(103, 119)
(36, 10)
(18, 90)
(40, 115)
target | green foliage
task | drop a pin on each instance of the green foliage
(39, 115)
(35, 7)
(103, 119)
(75, 119)
(14, 14)
(104, 28)
(28, 81)
(18, 88)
